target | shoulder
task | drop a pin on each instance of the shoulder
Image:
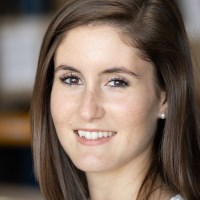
(177, 197)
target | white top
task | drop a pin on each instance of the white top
(177, 197)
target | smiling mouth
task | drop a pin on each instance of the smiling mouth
(94, 135)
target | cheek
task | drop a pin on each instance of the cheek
(134, 107)
(138, 112)
(56, 106)
(137, 121)
(62, 107)
(62, 112)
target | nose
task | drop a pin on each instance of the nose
(91, 107)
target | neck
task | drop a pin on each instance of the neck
(121, 183)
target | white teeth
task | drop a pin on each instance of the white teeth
(88, 135)
(94, 135)
(81, 133)
(105, 134)
(100, 134)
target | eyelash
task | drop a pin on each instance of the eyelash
(71, 76)
(120, 81)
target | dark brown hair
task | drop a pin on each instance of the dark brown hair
(156, 28)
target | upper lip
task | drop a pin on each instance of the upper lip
(93, 130)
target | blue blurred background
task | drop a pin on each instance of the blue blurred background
(22, 26)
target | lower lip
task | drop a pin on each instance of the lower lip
(87, 142)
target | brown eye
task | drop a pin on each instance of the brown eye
(71, 80)
(118, 83)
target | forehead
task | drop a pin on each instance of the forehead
(92, 36)
(100, 42)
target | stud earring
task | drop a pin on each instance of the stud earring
(162, 116)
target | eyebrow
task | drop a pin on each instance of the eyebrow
(66, 67)
(119, 70)
(107, 71)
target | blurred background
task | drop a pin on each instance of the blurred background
(22, 26)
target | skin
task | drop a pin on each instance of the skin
(85, 97)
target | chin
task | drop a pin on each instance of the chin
(90, 165)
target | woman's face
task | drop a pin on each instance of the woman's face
(104, 103)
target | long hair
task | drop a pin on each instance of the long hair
(156, 28)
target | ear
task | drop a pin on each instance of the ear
(163, 105)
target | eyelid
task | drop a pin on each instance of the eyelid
(68, 74)
(127, 83)
(63, 77)
(118, 78)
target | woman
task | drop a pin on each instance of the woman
(114, 112)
